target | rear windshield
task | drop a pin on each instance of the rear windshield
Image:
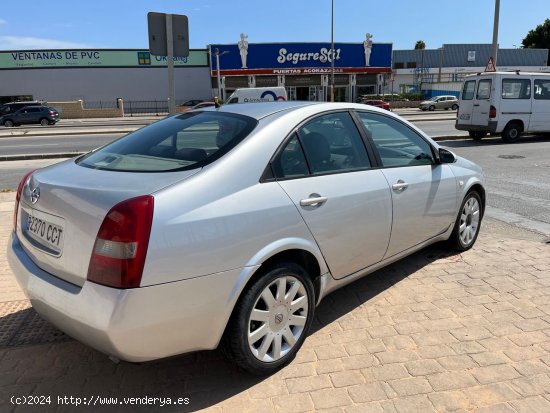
(180, 142)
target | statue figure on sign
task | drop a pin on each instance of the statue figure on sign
(243, 50)
(367, 44)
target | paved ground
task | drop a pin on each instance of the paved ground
(433, 332)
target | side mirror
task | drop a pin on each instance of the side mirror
(446, 156)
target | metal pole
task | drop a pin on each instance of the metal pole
(220, 93)
(170, 57)
(495, 32)
(332, 52)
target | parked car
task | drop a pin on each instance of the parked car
(440, 102)
(203, 105)
(188, 105)
(228, 226)
(43, 115)
(378, 103)
(12, 107)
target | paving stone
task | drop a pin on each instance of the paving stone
(495, 373)
(410, 386)
(490, 358)
(414, 404)
(329, 398)
(449, 401)
(385, 372)
(423, 367)
(347, 378)
(458, 362)
(367, 392)
(531, 405)
(491, 394)
(496, 408)
(451, 380)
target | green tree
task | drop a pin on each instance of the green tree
(539, 38)
(420, 45)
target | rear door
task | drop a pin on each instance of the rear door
(324, 168)
(516, 100)
(540, 109)
(465, 107)
(482, 104)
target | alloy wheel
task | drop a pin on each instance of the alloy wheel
(277, 319)
(469, 221)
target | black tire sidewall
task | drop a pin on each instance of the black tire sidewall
(236, 337)
(506, 133)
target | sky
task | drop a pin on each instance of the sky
(122, 24)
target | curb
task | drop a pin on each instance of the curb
(102, 132)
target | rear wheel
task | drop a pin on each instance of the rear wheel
(454, 107)
(271, 320)
(44, 122)
(512, 132)
(467, 223)
(477, 135)
(8, 123)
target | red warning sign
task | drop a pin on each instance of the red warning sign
(490, 65)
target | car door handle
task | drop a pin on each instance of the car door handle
(313, 200)
(400, 185)
(476, 104)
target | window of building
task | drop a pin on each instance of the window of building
(411, 65)
(399, 65)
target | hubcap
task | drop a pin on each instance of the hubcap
(469, 221)
(277, 319)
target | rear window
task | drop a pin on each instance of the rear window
(468, 90)
(181, 142)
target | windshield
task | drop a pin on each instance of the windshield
(180, 142)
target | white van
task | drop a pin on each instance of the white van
(258, 94)
(505, 103)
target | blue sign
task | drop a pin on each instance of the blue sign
(302, 55)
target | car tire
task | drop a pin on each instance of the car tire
(431, 108)
(512, 132)
(477, 135)
(265, 332)
(468, 223)
(8, 123)
(44, 122)
(454, 107)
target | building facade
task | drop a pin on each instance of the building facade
(304, 69)
(100, 75)
(441, 71)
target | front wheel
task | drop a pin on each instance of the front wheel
(271, 320)
(9, 123)
(468, 222)
(44, 122)
(454, 107)
(512, 132)
(431, 108)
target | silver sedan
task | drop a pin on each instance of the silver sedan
(227, 226)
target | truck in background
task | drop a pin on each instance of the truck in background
(258, 94)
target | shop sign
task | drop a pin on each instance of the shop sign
(300, 56)
(34, 59)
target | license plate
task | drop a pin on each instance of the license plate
(45, 232)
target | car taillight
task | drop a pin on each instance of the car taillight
(492, 112)
(52, 113)
(18, 197)
(121, 244)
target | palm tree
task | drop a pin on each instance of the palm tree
(420, 45)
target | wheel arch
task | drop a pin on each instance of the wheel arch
(518, 121)
(477, 187)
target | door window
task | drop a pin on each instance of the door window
(468, 90)
(542, 89)
(291, 161)
(397, 144)
(484, 89)
(516, 89)
(332, 143)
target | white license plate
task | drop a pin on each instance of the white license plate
(45, 232)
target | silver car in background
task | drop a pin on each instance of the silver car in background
(440, 102)
(228, 226)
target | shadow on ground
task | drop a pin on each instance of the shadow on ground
(37, 359)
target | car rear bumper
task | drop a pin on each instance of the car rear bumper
(138, 324)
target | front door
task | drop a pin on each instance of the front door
(424, 193)
(540, 109)
(324, 168)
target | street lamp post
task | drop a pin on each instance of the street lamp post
(332, 52)
(495, 32)
(218, 54)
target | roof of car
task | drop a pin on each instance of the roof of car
(263, 109)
